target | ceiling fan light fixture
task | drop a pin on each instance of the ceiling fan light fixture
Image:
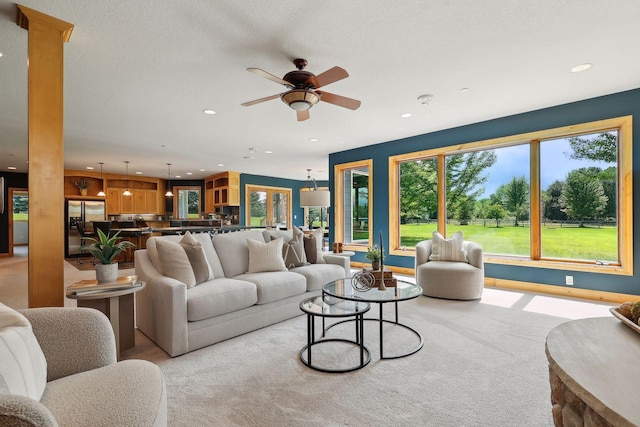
(300, 99)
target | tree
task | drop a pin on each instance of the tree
(465, 211)
(551, 198)
(603, 148)
(583, 196)
(516, 197)
(258, 208)
(418, 189)
(465, 176)
(496, 211)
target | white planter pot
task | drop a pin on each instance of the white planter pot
(107, 272)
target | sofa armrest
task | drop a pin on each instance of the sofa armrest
(73, 340)
(161, 307)
(22, 411)
(343, 261)
(423, 250)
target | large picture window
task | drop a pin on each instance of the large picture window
(354, 206)
(559, 198)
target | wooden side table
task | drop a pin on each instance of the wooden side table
(117, 305)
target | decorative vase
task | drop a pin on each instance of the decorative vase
(83, 191)
(375, 265)
(106, 272)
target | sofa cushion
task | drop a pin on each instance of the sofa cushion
(233, 251)
(207, 246)
(447, 249)
(130, 392)
(274, 286)
(265, 256)
(23, 367)
(175, 262)
(197, 258)
(320, 274)
(286, 235)
(219, 296)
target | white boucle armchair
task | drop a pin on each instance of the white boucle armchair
(58, 367)
(450, 280)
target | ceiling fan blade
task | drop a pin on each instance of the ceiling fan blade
(331, 75)
(340, 101)
(258, 101)
(303, 115)
(270, 76)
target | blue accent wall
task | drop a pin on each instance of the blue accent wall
(604, 107)
(269, 181)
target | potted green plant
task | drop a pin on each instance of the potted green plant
(375, 255)
(105, 249)
(83, 184)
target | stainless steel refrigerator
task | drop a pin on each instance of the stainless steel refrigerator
(79, 214)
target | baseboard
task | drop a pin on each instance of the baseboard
(589, 294)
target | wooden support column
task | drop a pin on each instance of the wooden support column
(46, 155)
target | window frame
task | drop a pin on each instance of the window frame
(339, 170)
(176, 205)
(625, 194)
(270, 191)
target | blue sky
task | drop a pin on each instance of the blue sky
(514, 162)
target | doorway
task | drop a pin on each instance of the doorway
(18, 209)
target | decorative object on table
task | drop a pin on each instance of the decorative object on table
(362, 281)
(105, 248)
(337, 248)
(83, 184)
(385, 275)
(375, 255)
(628, 313)
(85, 287)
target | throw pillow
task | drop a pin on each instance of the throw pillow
(293, 251)
(23, 370)
(197, 258)
(175, 262)
(313, 246)
(265, 256)
(447, 249)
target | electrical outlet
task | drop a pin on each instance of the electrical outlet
(569, 280)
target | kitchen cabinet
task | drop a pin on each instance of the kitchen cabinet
(226, 189)
(113, 201)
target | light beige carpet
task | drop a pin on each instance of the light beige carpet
(481, 365)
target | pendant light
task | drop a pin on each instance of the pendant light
(126, 192)
(168, 193)
(101, 192)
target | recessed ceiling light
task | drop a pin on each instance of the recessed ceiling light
(0, 54)
(464, 89)
(189, 173)
(268, 152)
(201, 170)
(209, 111)
(90, 168)
(178, 176)
(12, 168)
(406, 115)
(313, 139)
(425, 99)
(220, 165)
(138, 173)
(580, 68)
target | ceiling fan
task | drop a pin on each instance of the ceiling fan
(303, 88)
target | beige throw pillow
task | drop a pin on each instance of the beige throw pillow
(175, 262)
(447, 249)
(197, 258)
(23, 367)
(265, 256)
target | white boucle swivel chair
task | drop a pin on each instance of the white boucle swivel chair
(450, 279)
(58, 367)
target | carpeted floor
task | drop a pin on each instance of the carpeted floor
(483, 364)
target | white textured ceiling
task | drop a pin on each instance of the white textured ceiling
(139, 73)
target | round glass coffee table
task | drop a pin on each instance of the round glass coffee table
(326, 307)
(403, 291)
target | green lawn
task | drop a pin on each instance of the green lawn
(557, 242)
(21, 217)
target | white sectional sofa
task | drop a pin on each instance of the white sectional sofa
(181, 319)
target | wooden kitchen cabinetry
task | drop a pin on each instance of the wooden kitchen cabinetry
(226, 189)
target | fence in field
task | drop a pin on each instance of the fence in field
(510, 222)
